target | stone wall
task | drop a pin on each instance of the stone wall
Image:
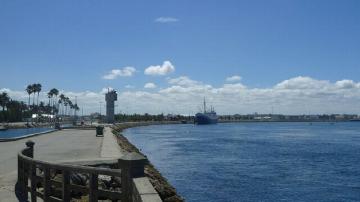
(144, 191)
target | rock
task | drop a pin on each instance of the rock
(174, 199)
(79, 179)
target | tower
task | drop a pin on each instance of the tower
(110, 98)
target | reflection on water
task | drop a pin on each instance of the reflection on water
(256, 161)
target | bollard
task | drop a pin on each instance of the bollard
(99, 130)
(30, 151)
(57, 126)
(132, 166)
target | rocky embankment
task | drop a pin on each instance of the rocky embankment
(162, 186)
(18, 125)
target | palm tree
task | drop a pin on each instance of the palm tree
(76, 107)
(33, 90)
(29, 90)
(38, 90)
(54, 92)
(66, 104)
(50, 95)
(61, 101)
(4, 100)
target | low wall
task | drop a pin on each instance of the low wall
(60, 181)
(143, 191)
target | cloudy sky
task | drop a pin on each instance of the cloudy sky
(291, 57)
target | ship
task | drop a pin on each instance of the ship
(206, 117)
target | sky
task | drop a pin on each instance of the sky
(280, 56)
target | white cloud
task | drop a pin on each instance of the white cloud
(166, 20)
(233, 78)
(182, 81)
(302, 82)
(129, 86)
(107, 89)
(164, 69)
(347, 84)
(124, 72)
(149, 85)
(297, 95)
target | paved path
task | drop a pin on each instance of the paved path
(64, 145)
(110, 148)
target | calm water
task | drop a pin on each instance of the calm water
(10, 133)
(256, 161)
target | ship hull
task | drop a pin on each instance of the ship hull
(203, 119)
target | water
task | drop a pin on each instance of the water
(256, 161)
(13, 133)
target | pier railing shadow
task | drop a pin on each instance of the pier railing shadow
(123, 181)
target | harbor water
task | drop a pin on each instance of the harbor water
(15, 133)
(256, 161)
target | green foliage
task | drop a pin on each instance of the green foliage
(16, 111)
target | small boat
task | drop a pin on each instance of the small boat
(355, 120)
(206, 117)
(184, 121)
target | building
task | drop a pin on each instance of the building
(110, 99)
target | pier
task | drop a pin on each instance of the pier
(69, 150)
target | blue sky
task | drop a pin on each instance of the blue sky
(71, 45)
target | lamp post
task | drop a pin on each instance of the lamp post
(100, 107)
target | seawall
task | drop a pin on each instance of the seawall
(166, 191)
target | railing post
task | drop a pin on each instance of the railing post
(33, 181)
(93, 189)
(30, 153)
(66, 186)
(132, 166)
(21, 182)
(46, 183)
(24, 170)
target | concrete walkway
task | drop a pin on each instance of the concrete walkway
(109, 147)
(64, 145)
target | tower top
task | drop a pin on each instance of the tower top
(111, 95)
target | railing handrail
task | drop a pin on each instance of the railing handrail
(67, 167)
(130, 166)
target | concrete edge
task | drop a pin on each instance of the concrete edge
(144, 191)
(92, 161)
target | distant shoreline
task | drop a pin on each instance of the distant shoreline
(275, 121)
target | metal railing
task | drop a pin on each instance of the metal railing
(53, 182)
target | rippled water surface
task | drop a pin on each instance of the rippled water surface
(256, 161)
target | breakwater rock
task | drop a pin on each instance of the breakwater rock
(166, 192)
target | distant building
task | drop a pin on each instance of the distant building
(110, 98)
(95, 115)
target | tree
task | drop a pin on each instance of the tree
(50, 96)
(29, 90)
(61, 102)
(76, 108)
(54, 92)
(4, 100)
(38, 90)
(33, 87)
(66, 104)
